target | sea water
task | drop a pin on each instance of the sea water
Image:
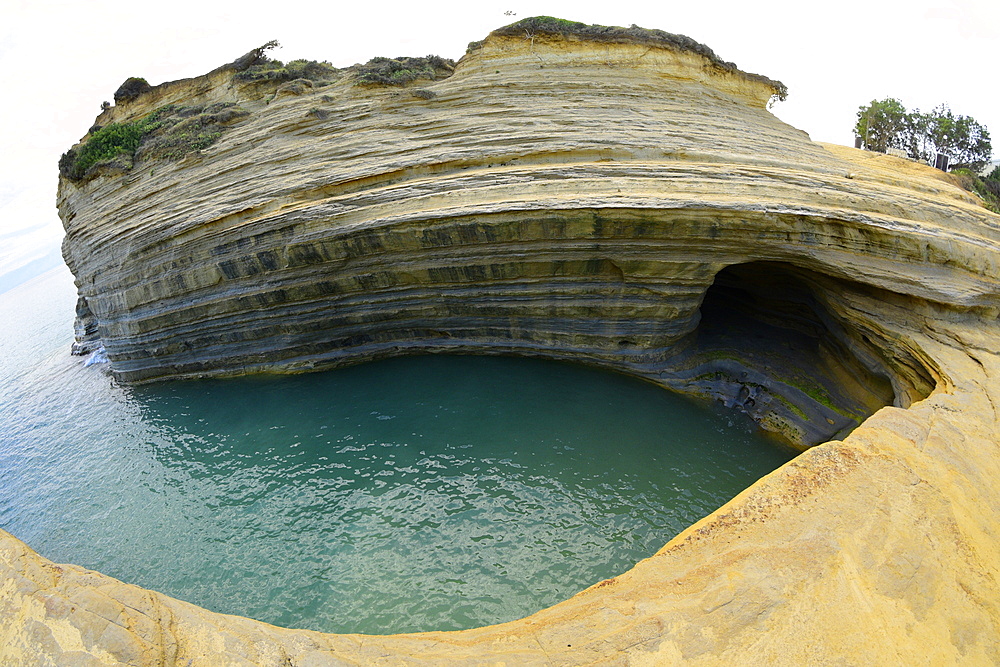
(421, 493)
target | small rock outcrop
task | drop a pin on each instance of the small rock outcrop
(622, 199)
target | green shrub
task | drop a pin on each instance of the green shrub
(990, 192)
(987, 189)
(254, 57)
(401, 71)
(379, 71)
(168, 133)
(116, 140)
(275, 70)
(994, 175)
(265, 70)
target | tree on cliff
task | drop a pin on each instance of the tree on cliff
(887, 124)
(882, 125)
(961, 137)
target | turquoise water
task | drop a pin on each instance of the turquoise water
(412, 494)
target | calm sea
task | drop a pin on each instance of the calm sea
(423, 493)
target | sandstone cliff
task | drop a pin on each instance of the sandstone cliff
(554, 196)
(622, 201)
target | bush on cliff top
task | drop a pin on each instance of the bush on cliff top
(133, 87)
(258, 66)
(401, 71)
(168, 133)
(275, 70)
(114, 142)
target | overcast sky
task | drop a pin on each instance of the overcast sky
(60, 59)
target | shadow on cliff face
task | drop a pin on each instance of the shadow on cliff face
(789, 347)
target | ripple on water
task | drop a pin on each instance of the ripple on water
(411, 494)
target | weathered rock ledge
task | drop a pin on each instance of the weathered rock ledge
(627, 204)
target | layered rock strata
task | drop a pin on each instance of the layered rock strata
(624, 203)
(554, 196)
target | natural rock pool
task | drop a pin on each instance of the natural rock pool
(413, 494)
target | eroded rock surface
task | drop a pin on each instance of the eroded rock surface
(622, 203)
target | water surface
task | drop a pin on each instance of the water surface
(424, 493)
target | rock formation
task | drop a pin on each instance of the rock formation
(622, 198)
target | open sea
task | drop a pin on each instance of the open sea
(421, 493)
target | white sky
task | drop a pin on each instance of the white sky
(59, 59)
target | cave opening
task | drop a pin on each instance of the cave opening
(782, 344)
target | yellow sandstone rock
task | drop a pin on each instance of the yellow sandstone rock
(621, 201)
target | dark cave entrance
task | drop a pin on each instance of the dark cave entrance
(779, 343)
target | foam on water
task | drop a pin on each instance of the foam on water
(98, 356)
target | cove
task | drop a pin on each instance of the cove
(417, 493)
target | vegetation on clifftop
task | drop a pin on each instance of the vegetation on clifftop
(402, 70)
(275, 70)
(133, 87)
(886, 124)
(257, 66)
(113, 144)
(169, 133)
(264, 68)
(549, 25)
